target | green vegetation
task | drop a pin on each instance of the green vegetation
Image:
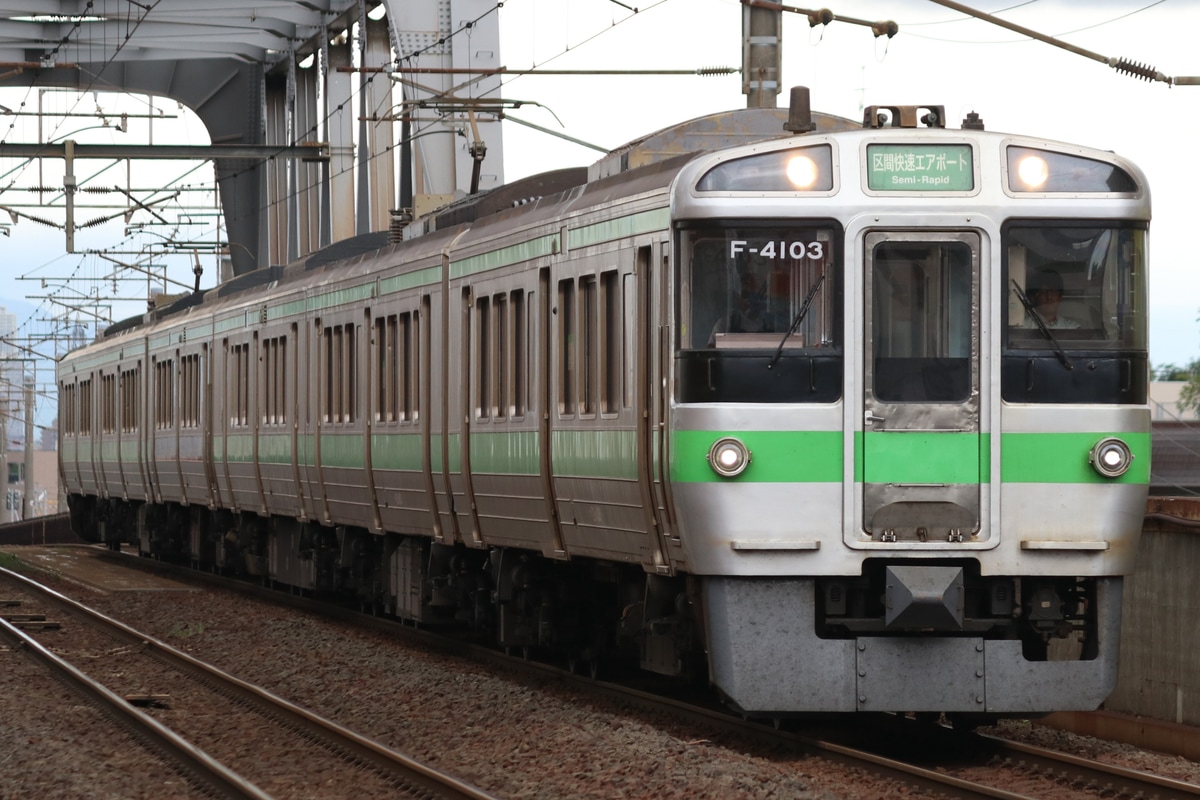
(186, 630)
(1189, 395)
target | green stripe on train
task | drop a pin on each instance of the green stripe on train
(620, 228)
(510, 453)
(342, 450)
(921, 457)
(275, 448)
(397, 451)
(594, 454)
(1063, 458)
(775, 456)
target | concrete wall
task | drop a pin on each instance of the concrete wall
(1160, 632)
(45, 484)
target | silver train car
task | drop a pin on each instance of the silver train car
(835, 417)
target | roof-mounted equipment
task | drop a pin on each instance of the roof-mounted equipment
(904, 116)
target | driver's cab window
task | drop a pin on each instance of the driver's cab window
(1075, 287)
(747, 288)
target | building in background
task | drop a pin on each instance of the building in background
(1175, 443)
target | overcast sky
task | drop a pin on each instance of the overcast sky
(939, 57)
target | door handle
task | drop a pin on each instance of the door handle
(870, 418)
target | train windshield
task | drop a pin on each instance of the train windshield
(1073, 287)
(757, 287)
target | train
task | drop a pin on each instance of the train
(827, 416)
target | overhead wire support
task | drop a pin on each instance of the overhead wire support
(1132, 68)
(703, 71)
(824, 16)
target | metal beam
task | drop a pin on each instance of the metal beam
(177, 152)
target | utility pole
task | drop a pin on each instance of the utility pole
(762, 33)
(27, 495)
(8, 512)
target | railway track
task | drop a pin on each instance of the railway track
(963, 765)
(204, 738)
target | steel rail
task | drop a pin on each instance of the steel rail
(412, 774)
(1112, 779)
(1116, 780)
(195, 762)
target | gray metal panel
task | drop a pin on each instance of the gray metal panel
(920, 673)
(776, 518)
(764, 653)
(1014, 684)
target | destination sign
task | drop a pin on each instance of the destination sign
(920, 168)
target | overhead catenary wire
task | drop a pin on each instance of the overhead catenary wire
(1123, 65)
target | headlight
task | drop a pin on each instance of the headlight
(797, 169)
(1033, 172)
(728, 457)
(1111, 457)
(803, 172)
(1048, 171)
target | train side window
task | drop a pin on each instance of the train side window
(66, 408)
(516, 406)
(413, 331)
(610, 338)
(566, 347)
(85, 407)
(267, 406)
(164, 394)
(239, 385)
(500, 356)
(108, 403)
(189, 395)
(409, 332)
(128, 388)
(386, 368)
(629, 328)
(397, 379)
(274, 407)
(589, 324)
(340, 374)
(483, 357)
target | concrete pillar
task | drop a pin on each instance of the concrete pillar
(277, 216)
(378, 128)
(339, 116)
(307, 115)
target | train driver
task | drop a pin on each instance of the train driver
(748, 312)
(1045, 292)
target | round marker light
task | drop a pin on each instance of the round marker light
(1033, 171)
(728, 457)
(803, 172)
(1111, 457)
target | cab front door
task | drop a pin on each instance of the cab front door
(921, 458)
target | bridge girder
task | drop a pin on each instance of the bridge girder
(238, 67)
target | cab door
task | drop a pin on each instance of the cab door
(922, 459)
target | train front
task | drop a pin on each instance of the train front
(909, 437)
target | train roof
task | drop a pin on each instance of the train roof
(660, 153)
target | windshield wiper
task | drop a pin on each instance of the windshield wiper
(1041, 323)
(796, 322)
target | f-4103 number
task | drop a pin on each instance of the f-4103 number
(777, 249)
